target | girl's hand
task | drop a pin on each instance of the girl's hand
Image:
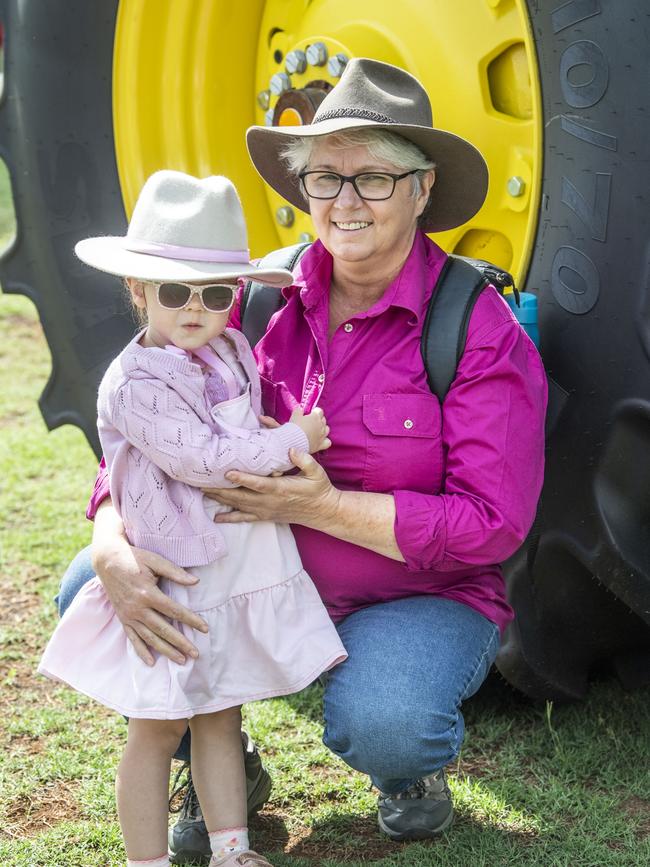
(308, 498)
(130, 577)
(314, 426)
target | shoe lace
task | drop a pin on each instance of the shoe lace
(183, 798)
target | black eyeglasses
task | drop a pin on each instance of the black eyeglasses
(215, 297)
(374, 186)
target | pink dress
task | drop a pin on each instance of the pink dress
(269, 633)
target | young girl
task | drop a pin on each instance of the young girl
(177, 409)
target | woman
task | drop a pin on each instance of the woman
(402, 522)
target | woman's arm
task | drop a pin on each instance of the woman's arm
(310, 499)
(130, 577)
(493, 435)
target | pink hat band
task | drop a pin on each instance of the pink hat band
(193, 254)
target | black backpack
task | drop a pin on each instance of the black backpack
(460, 283)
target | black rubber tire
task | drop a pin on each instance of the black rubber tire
(56, 136)
(581, 584)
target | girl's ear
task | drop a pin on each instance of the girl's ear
(136, 288)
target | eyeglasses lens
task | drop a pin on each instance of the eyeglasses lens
(173, 295)
(219, 297)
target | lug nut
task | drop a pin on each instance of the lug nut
(317, 54)
(336, 65)
(305, 237)
(516, 186)
(268, 117)
(295, 61)
(264, 99)
(285, 216)
(279, 83)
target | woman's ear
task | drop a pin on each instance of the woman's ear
(136, 288)
(427, 182)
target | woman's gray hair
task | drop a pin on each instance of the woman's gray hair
(382, 144)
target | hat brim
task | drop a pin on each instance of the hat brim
(461, 181)
(109, 254)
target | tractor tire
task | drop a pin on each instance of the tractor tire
(580, 585)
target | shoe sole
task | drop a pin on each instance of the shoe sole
(416, 833)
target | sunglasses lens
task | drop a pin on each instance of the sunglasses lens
(173, 295)
(218, 297)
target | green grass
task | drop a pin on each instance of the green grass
(534, 786)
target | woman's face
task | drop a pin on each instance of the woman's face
(353, 229)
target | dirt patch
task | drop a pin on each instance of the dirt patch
(29, 815)
(639, 810)
(353, 837)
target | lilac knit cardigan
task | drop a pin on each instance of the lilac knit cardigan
(162, 444)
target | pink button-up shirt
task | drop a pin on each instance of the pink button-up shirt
(465, 476)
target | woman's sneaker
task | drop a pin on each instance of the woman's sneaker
(188, 839)
(423, 810)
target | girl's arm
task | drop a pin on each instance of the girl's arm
(166, 429)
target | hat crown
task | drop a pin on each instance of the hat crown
(379, 92)
(179, 210)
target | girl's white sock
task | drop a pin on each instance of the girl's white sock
(227, 841)
(162, 861)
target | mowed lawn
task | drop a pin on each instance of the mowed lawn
(535, 785)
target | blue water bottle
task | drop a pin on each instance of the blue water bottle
(526, 313)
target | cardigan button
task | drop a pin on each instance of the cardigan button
(408, 424)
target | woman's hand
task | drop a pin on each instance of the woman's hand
(130, 577)
(308, 498)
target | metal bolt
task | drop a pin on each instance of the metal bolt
(295, 61)
(305, 238)
(285, 216)
(516, 186)
(264, 99)
(337, 64)
(268, 117)
(279, 83)
(317, 54)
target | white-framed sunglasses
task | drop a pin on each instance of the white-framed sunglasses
(214, 297)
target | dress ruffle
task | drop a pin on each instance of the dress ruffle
(280, 636)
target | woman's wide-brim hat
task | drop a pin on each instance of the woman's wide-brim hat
(182, 229)
(375, 95)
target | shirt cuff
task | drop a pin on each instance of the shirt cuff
(420, 529)
(292, 437)
(100, 491)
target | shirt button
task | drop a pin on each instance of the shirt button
(408, 424)
(321, 377)
(348, 327)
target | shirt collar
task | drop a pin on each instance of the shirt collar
(409, 290)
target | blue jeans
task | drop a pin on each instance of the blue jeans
(392, 709)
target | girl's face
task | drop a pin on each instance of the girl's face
(188, 327)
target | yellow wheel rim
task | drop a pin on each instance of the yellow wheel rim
(189, 78)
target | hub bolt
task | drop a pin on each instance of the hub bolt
(336, 65)
(305, 237)
(295, 61)
(285, 216)
(317, 54)
(264, 99)
(279, 83)
(516, 186)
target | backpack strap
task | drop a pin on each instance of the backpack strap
(259, 302)
(444, 334)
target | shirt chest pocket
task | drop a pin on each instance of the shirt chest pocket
(403, 442)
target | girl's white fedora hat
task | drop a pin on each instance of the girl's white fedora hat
(182, 229)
